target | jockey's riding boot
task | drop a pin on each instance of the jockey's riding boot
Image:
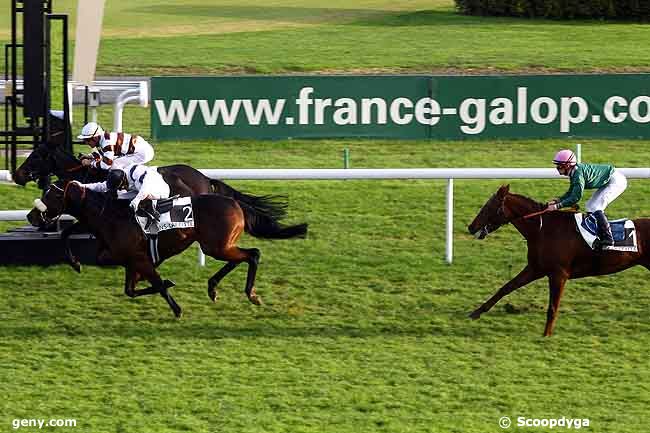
(604, 229)
(151, 210)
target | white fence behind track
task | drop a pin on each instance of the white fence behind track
(405, 173)
(385, 173)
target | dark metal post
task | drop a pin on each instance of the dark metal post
(14, 74)
(85, 105)
(66, 101)
(6, 104)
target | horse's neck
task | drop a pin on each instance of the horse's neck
(96, 214)
(518, 205)
(66, 166)
(65, 160)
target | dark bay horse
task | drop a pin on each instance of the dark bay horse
(555, 248)
(182, 179)
(218, 224)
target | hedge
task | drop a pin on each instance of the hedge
(638, 10)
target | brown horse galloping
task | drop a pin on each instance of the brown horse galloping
(555, 248)
(218, 223)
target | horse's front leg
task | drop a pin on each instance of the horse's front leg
(75, 228)
(524, 277)
(146, 271)
(556, 284)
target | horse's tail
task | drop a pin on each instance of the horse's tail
(262, 213)
(274, 206)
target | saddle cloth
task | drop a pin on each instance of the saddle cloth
(623, 232)
(175, 213)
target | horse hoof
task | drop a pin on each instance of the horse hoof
(212, 293)
(77, 267)
(178, 314)
(475, 315)
(255, 299)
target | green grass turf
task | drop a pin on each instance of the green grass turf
(205, 37)
(364, 326)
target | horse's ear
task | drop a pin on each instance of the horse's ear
(505, 189)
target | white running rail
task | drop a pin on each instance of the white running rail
(384, 173)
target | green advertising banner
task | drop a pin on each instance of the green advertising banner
(437, 107)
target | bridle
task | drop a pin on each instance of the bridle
(44, 215)
(46, 219)
(489, 228)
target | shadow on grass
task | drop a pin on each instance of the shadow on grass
(297, 15)
(461, 327)
(349, 16)
(525, 323)
(316, 15)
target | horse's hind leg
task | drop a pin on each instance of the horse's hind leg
(235, 255)
(556, 284)
(213, 282)
(524, 277)
(253, 260)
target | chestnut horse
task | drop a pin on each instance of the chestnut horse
(218, 224)
(556, 249)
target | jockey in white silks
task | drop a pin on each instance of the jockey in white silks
(114, 149)
(149, 184)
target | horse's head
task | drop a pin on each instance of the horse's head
(59, 198)
(48, 160)
(38, 163)
(491, 216)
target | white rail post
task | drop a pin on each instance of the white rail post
(141, 94)
(579, 152)
(201, 257)
(450, 220)
(124, 97)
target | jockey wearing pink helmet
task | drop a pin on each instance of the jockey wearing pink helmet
(608, 182)
(565, 159)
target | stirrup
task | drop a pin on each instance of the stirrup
(606, 242)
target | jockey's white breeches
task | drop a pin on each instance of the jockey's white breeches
(143, 154)
(153, 187)
(607, 194)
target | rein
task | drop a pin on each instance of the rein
(528, 216)
(534, 214)
(73, 169)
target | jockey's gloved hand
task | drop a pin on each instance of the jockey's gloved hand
(134, 205)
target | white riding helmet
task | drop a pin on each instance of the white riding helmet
(90, 130)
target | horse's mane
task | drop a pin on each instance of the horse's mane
(537, 206)
(62, 152)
